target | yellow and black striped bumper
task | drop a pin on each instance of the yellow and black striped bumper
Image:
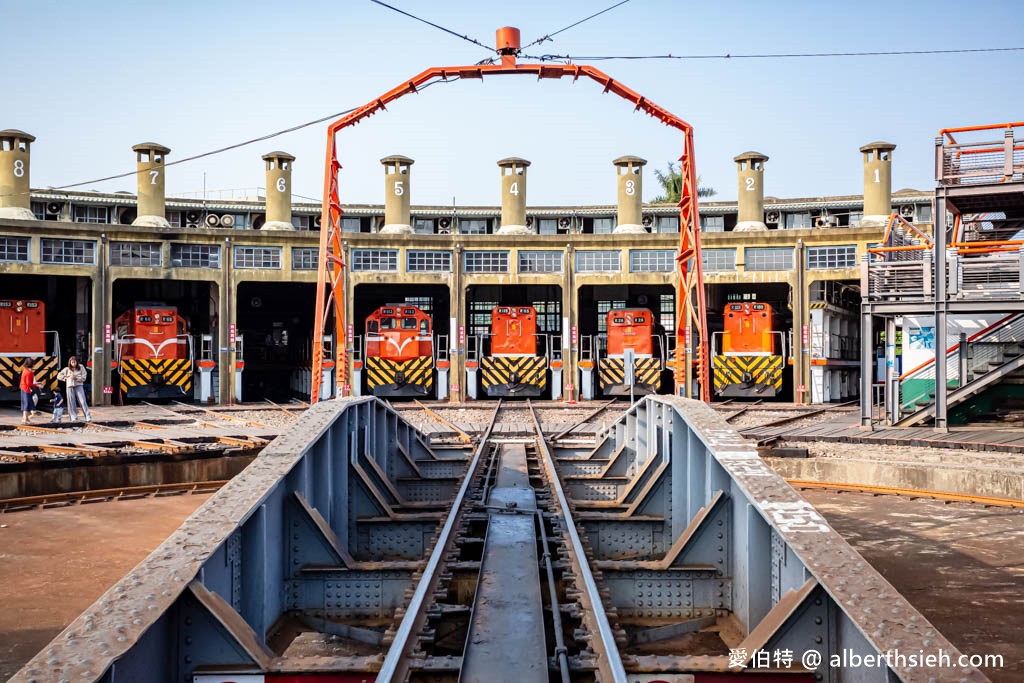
(740, 376)
(514, 375)
(163, 378)
(414, 377)
(45, 368)
(612, 376)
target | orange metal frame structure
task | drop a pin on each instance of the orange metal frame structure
(691, 305)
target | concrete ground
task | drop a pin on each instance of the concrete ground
(959, 564)
(56, 562)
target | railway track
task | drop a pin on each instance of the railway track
(508, 583)
(107, 495)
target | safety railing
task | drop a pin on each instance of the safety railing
(960, 160)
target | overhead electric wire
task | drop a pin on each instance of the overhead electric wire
(777, 55)
(237, 145)
(437, 26)
(549, 36)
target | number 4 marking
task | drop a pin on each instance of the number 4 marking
(514, 188)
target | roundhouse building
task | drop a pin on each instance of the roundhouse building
(245, 283)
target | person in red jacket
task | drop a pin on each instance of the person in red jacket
(28, 383)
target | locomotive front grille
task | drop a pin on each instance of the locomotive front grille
(143, 378)
(646, 372)
(45, 368)
(513, 372)
(747, 375)
(383, 374)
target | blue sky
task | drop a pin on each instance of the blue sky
(100, 77)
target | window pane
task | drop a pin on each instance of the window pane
(14, 249)
(195, 255)
(135, 254)
(257, 257)
(831, 257)
(428, 261)
(540, 262)
(769, 258)
(305, 258)
(374, 259)
(597, 261)
(485, 262)
(651, 260)
(718, 259)
(80, 252)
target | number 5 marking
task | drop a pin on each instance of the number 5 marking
(399, 188)
(153, 175)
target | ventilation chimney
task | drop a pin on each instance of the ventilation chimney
(15, 201)
(150, 164)
(877, 183)
(513, 197)
(397, 219)
(750, 170)
(630, 173)
(279, 191)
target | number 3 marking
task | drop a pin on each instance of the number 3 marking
(153, 175)
(19, 168)
(750, 184)
(631, 187)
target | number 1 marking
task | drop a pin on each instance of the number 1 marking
(877, 179)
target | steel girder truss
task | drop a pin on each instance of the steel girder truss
(691, 318)
(329, 529)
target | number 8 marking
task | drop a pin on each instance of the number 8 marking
(19, 168)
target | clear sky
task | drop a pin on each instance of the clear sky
(92, 79)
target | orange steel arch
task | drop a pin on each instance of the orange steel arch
(691, 314)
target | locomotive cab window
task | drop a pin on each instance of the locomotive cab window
(372, 327)
(387, 323)
(408, 323)
(424, 326)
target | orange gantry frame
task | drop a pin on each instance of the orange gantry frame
(691, 316)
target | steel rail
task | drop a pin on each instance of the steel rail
(561, 652)
(395, 664)
(911, 493)
(466, 438)
(590, 416)
(121, 493)
(604, 640)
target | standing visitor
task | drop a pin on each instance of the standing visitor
(58, 405)
(74, 378)
(28, 385)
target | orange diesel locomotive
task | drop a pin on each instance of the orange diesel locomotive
(154, 352)
(513, 366)
(631, 333)
(23, 338)
(399, 355)
(752, 356)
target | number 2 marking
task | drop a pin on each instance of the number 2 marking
(19, 168)
(153, 175)
(750, 184)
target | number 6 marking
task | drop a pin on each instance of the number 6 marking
(631, 187)
(399, 188)
(153, 175)
(281, 185)
(19, 168)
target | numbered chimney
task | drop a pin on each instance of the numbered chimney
(279, 191)
(877, 183)
(513, 197)
(397, 219)
(14, 189)
(630, 174)
(150, 164)
(750, 170)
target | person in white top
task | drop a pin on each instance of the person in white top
(74, 377)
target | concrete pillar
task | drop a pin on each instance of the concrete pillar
(630, 179)
(15, 201)
(750, 171)
(397, 219)
(877, 183)
(279, 191)
(150, 163)
(513, 197)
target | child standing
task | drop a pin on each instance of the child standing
(58, 406)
